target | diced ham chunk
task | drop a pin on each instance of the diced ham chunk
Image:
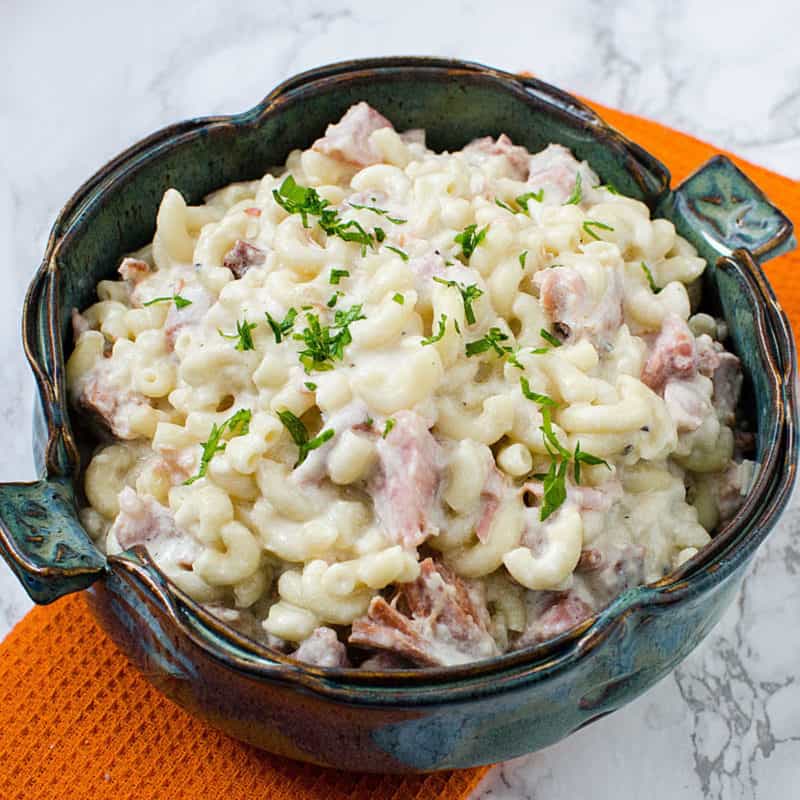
(730, 488)
(564, 296)
(322, 649)
(112, 405)
(516, 156)
(348, 139)
(555, 170)
(434, 621)
(673, 354)
(686, 405)
(406, 480)
(565, 612)
(242, 256)
(725, 370)
(491, 497)
(134, 270)
(141, 520)
(590, 560)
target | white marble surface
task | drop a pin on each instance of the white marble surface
(81, 81)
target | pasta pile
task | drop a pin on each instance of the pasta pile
(389, 407)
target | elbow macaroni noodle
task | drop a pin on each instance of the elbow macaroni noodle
(434, 290)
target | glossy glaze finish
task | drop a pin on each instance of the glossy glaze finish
(421, 719)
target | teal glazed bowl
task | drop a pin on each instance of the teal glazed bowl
(407, 720)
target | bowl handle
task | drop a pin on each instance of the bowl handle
(43, 541)
(718, 205)
(41, 537)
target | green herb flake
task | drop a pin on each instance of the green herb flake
(281, 329)
(236, 425)
(397, 250)
(334, 298)
(243, 334)
(539, 399)
(593, 223)
(380, 211)
(555, 489)
(653, 288)
(582, 457)
(380, 234)
(469, 239)
(490, 341)
(549, 338)
(523, 199)
(550, 438)
(523, 256)
(398, 298)
(609, 187)
(299, 435)
(469, 294)
(505, 206)
(439, 333)
(180, 302)
(296, 199)
(312, 387)
(337, 275)
(387, 429)
(577, 193)
(325, 344)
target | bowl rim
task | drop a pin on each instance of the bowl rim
(740, 536)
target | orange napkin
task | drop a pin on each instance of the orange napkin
(77, 722)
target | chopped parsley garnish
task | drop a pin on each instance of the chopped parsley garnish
(522, 258)
(555, 489)
(380, 211)
(299, 435)
(550, 438)
(397, 250)
(491, 341)
(334, 298)
(380, 234)
(581, 457)
(236, 425)
(281, 329)
(653, 288)
(577, 193)
(468, 293)
(398, 298)
(439, 334)
(312, 387)
(387, 428)
(325, 344)
(609, 187)
(243, 334)
(296, 199)
(469, 239)
(549, 338)
(540, 399)
(593, 223)
(555, 483)
(523, 199)
(180, 302)
(539, 351)
(337, 275)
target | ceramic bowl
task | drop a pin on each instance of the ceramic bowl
(425, 719)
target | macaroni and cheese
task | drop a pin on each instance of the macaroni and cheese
(390, 407)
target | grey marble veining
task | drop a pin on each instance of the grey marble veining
(80, 81)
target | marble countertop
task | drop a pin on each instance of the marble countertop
(81, 81)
